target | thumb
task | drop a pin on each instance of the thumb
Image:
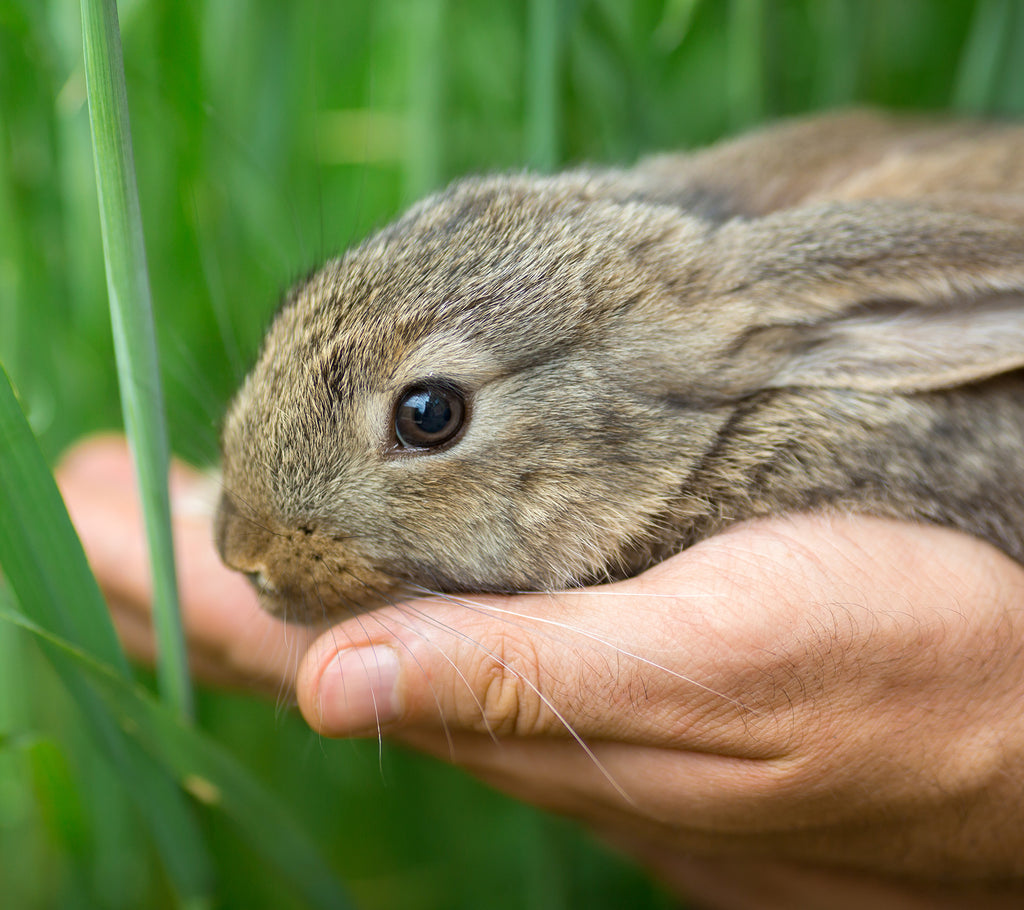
(551, 665)
(487, 665)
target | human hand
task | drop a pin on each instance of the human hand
(804, 704)
(231, 641)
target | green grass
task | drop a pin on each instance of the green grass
(131, 316)
(266, 137)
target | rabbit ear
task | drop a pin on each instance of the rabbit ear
(878, 297)
(908, 348)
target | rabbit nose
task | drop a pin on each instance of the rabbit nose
(241, 543)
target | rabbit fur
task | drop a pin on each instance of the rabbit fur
(824, 314)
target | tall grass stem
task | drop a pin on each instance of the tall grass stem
(424, 153)
(543, 83)
(46, 568)
(984, 54)
(131, 314)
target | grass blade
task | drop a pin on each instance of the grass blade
(209, 773)
(41, 557)
(745, 90)
(543, 85)
(983, 56)
(842, 26)
(46, 568)
(424, 160)
(134, 333)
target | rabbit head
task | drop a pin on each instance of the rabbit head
(528, 383)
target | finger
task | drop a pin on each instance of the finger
(269, 668)
(727, 647)
(703, 804)
(135, 630)
(681, 656)
(103, 463)
(96, 483)
(700, 798)
(229, 637)
(562, 665)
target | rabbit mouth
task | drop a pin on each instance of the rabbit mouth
(321, 599)
(300, 573)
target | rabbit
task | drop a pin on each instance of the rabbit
(537, 382)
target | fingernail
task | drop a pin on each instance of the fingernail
(357, 690)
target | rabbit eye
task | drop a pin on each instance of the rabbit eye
(429, 416)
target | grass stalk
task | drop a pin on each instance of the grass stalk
(46, 568)
(134, 334)
(984, 53)
(746, 89)
(841, 25)
(543, 85)
(425, 146)
(201, 766)
(39, 550)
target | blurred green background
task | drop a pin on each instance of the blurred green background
(269, 136)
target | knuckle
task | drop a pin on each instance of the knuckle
(506, 682)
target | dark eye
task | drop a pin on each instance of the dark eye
(428, 416)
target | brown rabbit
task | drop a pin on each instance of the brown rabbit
(537, 382)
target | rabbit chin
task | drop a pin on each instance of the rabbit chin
(323, 595)
(317, 607)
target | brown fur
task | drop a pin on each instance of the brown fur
(825, 314)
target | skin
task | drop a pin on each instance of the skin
(804, 712)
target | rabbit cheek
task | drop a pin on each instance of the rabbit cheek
(299, 573)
